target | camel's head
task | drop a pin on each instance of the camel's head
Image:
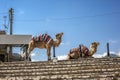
(58, 39)
(95, 44)
(93, 48)
(59, 35)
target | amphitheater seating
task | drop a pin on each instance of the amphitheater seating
(81, 69)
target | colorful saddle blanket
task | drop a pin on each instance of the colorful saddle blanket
(84, 50)
(42, 38)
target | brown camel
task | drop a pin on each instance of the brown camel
(44, 41)
(75, 52)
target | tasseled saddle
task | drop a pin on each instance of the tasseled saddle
(42, 38)
(80, 50)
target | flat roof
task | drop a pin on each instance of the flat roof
(15, 40)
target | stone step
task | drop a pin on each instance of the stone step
(64, 77)
(83, 60)
(38, 73)
(80, 61)
(58, 72)
(59, 66)
(88, 69)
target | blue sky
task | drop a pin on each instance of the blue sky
(81, 21)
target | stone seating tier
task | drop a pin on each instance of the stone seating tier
(81, 69)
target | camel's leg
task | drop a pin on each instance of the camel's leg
(73, 55)
(68, 57)
(29, 52)
(48, 53)
(30, 48)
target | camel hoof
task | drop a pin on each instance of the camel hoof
(49, 59)
(28, 58)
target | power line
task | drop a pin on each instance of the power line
(105, 14)
(70, 18)
(3, 12)
(91, 16)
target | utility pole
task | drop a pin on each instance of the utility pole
(108, 52)
(11, 27)
(11, 19)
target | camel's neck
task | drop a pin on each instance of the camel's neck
(57, 42)
(92, 50)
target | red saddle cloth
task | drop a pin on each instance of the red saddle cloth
(84, 50)
(42, 38)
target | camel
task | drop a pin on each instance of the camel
(75, 52)
(45, 43)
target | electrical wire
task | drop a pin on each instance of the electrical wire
(3, 12)
(65, 18)
(69, 18)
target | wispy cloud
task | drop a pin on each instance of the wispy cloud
(105, 53)
(63, 57)
(33, 54)
(33, 60)
(20, 12)
(119, 54)
(65, 43)
(99, 55)
(113, 41)
(48, 20)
